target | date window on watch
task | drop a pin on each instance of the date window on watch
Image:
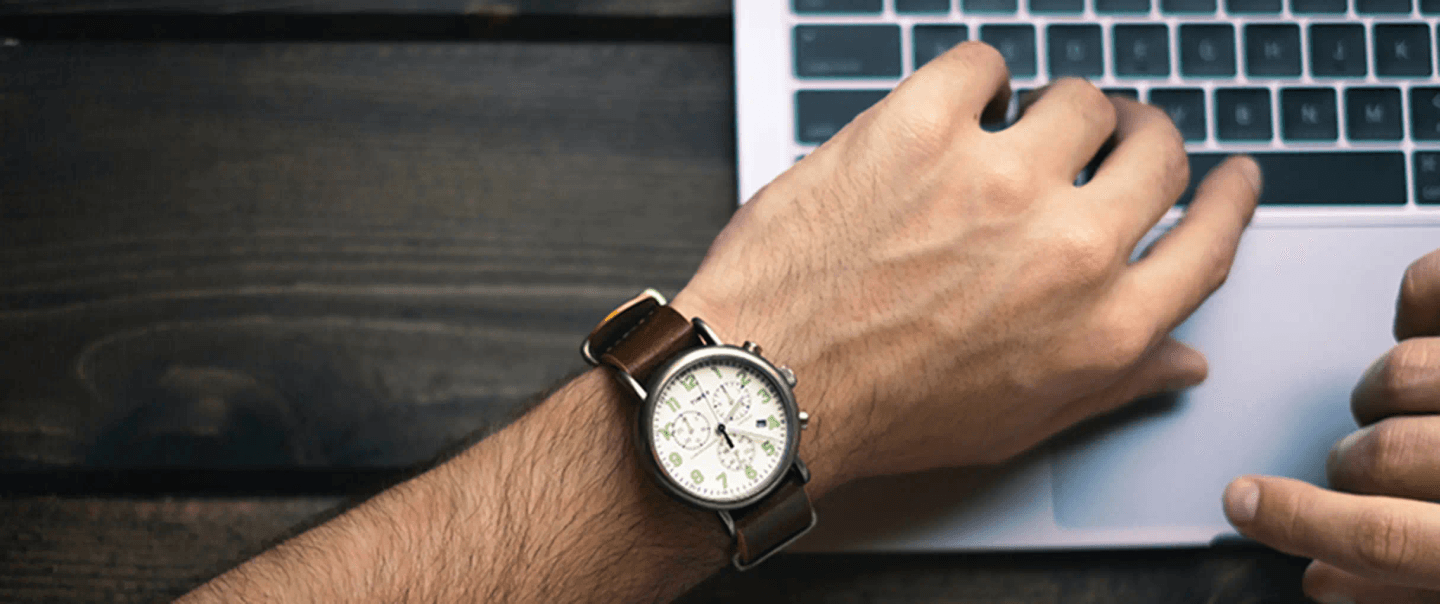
(759, 423)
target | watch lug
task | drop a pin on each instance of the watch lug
(728, 521)
(708, 336)
(751, 347)
(629, 382)
(802, 470)
(788, 374)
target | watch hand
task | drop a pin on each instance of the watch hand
(722, 432)
(706, 400)
(748, 434)
(730, 416)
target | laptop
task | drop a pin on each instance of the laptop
(1337, 99)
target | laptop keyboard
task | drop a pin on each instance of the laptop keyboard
(1337, 99)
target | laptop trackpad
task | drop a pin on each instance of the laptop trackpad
(1304, 312)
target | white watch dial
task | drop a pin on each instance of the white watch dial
(719, 430)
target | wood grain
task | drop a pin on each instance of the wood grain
(645, 8)
(332, 254)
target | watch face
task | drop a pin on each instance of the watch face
(720, 429)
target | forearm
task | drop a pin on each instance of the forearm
(554, 508)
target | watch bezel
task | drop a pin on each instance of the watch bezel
(672, 370)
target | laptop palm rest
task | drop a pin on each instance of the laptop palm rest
(1304, 312)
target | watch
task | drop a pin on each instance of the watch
(717, 425)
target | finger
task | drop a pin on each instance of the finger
(1399, 457)
(1186, 265)
(1327, 584)
(1170, 367)
(1379, 538)
(1064, 127)
(1417, 310)
(965, 82)
(1146, 171)
(1405, 380)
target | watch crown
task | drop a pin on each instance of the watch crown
(804, 420)
(751, 347)
(789, 375)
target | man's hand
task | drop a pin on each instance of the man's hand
(1376, 537)
(947, 295)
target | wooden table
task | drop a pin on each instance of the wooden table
(329, 238)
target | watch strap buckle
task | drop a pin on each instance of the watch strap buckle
(787, 508)
(618, 324)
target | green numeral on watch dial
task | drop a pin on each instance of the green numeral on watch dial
(673, 404)
(723, 483)
(765, 446)
(675, 459)
(717, 372)
(666, 434)
(765, 394)
(689, 382)
(750, 472)
(744, 379)
(696, 476)
(771, 421)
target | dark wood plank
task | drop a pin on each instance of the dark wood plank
(644, 8)
(112, 550)
(333, 254)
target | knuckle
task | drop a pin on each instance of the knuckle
(1404, 368)
(1087, 101)
(1086, 255)
(1383, 454)
(1008, 184)
(1382, 540)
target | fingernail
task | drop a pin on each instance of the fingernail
(1251, 170)
(1242, 500)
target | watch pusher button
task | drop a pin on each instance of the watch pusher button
(751, 347)
(804, 420)
(789, 375)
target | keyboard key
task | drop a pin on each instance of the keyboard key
(1141, 50)
(1272, 50)
(1057, 6)
(1337, 50)
(1382, 6)
(1314, 177)
(1373, 114)
(1427, 177)
(1242, 114)
(1207, 50)
(1320, 6)
(1187, 6)
(1122, 6)
(1186, 107)
(922, 6)
(1075, 50)
(990, 6)
(1402, 49)
(1308, 114)
(847, 51)
(819, 114)
(1016, 43)
(1253, 6)
(837, 6)
(1430, 7)
(933, 40)
(1425, 113)
(1129, 93)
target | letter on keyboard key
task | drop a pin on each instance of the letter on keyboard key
(1207, 50)
(1427, 177)
(1373, 114)
(1187, 6)
(1016, 43)
(1318, 6)
(1402, 49)
(1272, 50)
(1366, 7)
(819, 114)
(837, 6)
(1337, 50)
(922, 6)
(1252, 6)
(990, 6)
(1075, 50)
(1141, 50)
(1323, 178)
(1425, 113)
(1242, 114)
(1057, 6)
(1186, 107)
(1308, 114)
(933, 40)
(847, 51)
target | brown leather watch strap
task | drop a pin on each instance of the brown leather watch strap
(646, 342)
(772, 523)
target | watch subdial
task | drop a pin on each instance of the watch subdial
(734, 402)
(738, 457)
(691, 430)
